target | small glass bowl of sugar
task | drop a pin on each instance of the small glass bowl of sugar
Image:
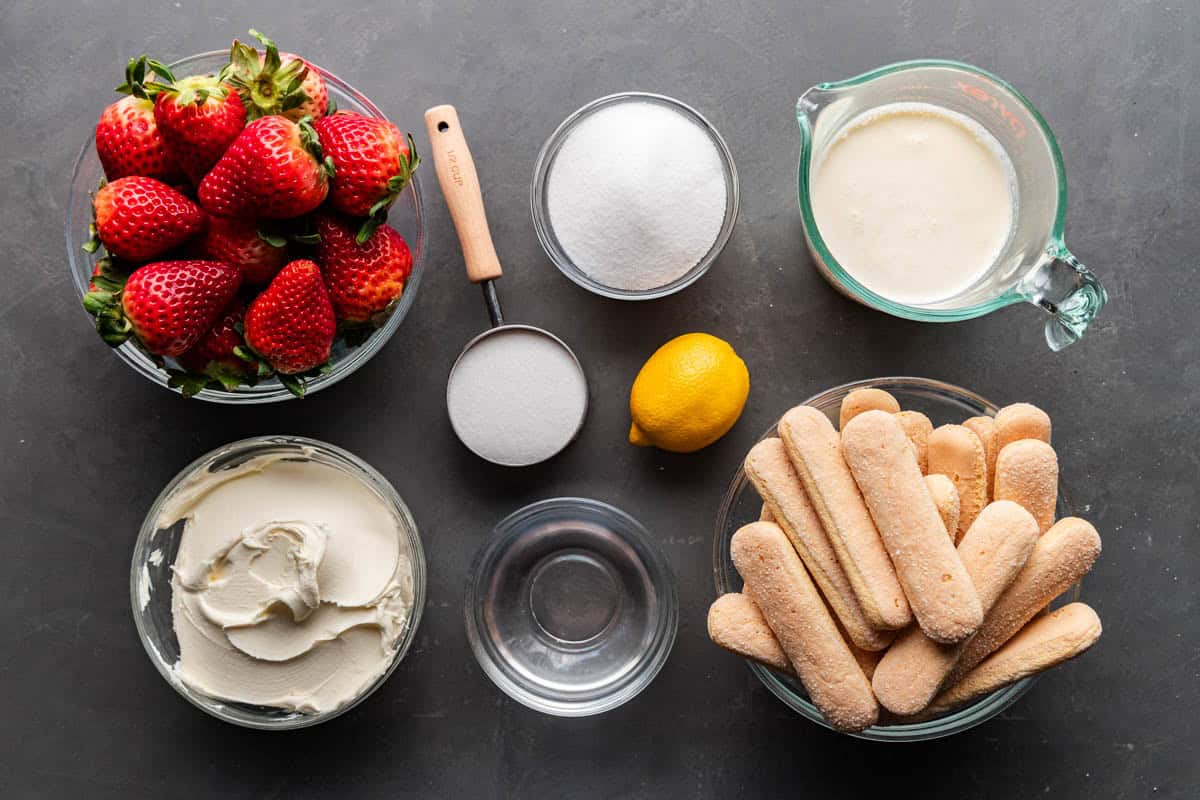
(634, 196)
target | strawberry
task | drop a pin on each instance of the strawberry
(291, 324)
(364, 280)
(171, 304)
(237, 241)
(276, 83)
(199, 117)
(139, 218)
(213, 361)
(274, 169)
(128, 139)
(167, 305)
(374, 163)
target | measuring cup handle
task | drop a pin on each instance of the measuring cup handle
(1068, 291)
(460, 185)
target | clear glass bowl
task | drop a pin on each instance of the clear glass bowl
(156, 549)
(541, 215)
(943, 403)
(406, 216)
(571, 608)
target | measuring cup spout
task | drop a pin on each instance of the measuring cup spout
(811, 103)
(1068, 291)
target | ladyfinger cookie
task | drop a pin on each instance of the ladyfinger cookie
(867, 659)
(1027, 473)
(1021, 421)
(945, 497)
(861, 400)
(784, 499)
(935, 581)
(1046, 642)
(985, 429)
(796, 614)
(917, 427)
(736, 624)
(1061, 557)
(993, 552)
(957, 453)
(816, 452)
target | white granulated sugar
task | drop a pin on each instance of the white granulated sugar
(636, 195)
(516, 397)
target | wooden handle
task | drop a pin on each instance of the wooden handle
(460, 184)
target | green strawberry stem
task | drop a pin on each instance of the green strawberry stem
(104, 303)
(294, 384)
(267, 87)
(312, 143)
(273, 239)
(135, 78)
(188, 384)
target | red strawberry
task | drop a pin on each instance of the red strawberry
(291, 324)
(199, 118)
(128, 139)
(273, 170)
(373, 160)
(140, 218)
(129, 142)
(364, 280)
(276, 83)
(237, 241)
(214, 357)
(167, 305)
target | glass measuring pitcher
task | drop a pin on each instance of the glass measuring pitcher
(1034, 266)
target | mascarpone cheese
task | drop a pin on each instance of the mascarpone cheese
(292, 586)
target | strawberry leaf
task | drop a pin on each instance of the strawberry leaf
(273, 239)
(161, 70)
(189, 385)
(371, 223)
(93, 242)
(294, 384)
(268, 86)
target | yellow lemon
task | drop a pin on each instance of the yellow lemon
(688, 394)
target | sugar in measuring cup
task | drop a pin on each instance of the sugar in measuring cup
(928, 174)
(517, 394)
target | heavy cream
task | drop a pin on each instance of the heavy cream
(914, 201)
(292, 586)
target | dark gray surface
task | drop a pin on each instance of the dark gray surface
(87, 444)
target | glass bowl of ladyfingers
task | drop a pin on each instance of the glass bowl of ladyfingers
(897, 559)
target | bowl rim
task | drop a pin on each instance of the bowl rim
(666, 623)
(270, 391)
(961, 719)
(541, 213)
(364, 472)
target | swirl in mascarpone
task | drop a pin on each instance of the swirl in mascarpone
(292, 587)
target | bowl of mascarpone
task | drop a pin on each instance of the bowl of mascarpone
(277, 582)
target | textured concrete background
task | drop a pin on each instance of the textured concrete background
(87, 444)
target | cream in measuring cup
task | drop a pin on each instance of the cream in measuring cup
(915, 201)
(934, 191)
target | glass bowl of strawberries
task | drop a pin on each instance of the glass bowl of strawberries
(244, 226)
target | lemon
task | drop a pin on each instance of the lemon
(688, 394)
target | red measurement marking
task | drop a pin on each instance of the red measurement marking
(1014, 122)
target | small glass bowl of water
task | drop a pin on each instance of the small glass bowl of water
(571, 608)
